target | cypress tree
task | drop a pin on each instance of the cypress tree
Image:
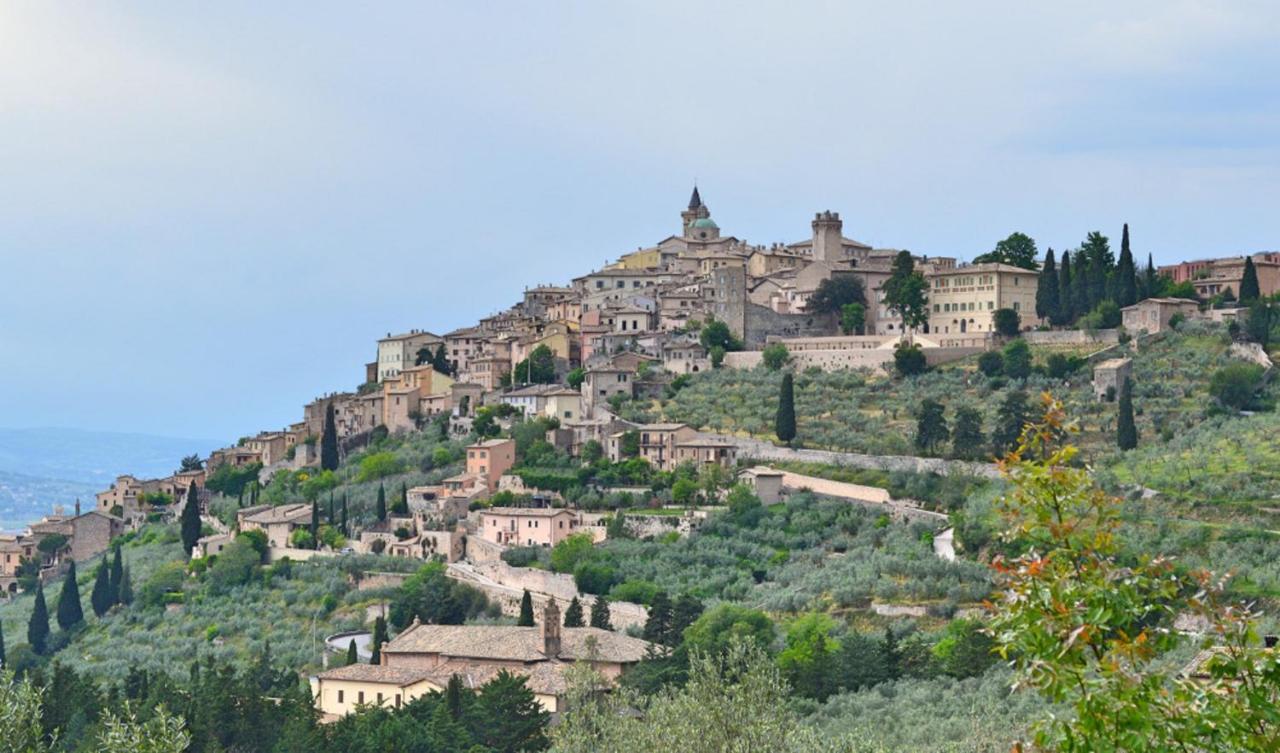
(1010, 419)
(382, 502)
(353, 655)
(1126, 430)
(573, 614)
(38, 625)
(329, 441)
(1149, 279)
(117, 575)
(657, 628)
(70, 613)
(600, 614)
(379, 638)
(124, 595)
(329, 518)
(966, 438)
(401, 506)
(526, 610)
(453, 696)
(345, 531)
(101, 598)
(1126, 274)
(1081, 293)
(1047, 289)
(315, 524)
(190, 521)
(1066, 291)
(785, 424)
(1249, 291)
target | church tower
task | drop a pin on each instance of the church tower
(696, 220)
(550, 629)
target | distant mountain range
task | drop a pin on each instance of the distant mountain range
(40, 468)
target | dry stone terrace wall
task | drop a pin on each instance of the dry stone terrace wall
(756, 449)
(505, 585)
(1072, 337)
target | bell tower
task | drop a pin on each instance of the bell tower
(696, 211)
(550, 629)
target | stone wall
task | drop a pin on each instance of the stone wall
(505, 586)
(368, 581)
(1072, 337)
(762, 323)
(755, 449)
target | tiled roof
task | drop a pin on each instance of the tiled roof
(281, 514)
(377, 673)
(509, 643)
(527, 512)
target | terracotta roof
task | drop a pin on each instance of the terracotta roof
(527, 512)
(508, 643)
(281, 514)
(378, 673)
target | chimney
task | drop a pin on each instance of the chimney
(550, 629)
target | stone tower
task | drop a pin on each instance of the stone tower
(550, 629)
(828, 238)
(696, 220)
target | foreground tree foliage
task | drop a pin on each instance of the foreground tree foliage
(734, 701)
(1086, 628)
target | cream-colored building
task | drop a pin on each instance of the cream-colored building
(963, 299)
(399, 352)
(278, 523)
(423, 659)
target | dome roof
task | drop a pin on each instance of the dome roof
(705, 222)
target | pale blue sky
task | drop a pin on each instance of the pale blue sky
(209, 212)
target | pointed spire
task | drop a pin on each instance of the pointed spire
(695, 200)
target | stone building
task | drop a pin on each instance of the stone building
(1109, 376)
(399, 352)
(423, 658)
(1154, 314)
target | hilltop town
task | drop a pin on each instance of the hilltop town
(485, 458)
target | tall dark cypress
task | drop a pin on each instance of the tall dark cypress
(70, 613)
(1082, 291)
(1126, 274)
(353, 655)
(379, 638)
(1149, 279)
(1249, 290)
(191, 520)
(1047, 289)
(382, 502)
(573, 614)
(315, 524)
(526, 610)
(100, 599)
(38, 624)
(116, 575)
(1066, 308)
(124, 595)
(785, 423)
(345, 531)
(1126, 430)
(600, 614)
(329, 441)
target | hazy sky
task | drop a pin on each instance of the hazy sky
(209, 212)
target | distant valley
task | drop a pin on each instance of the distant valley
(43, 467)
